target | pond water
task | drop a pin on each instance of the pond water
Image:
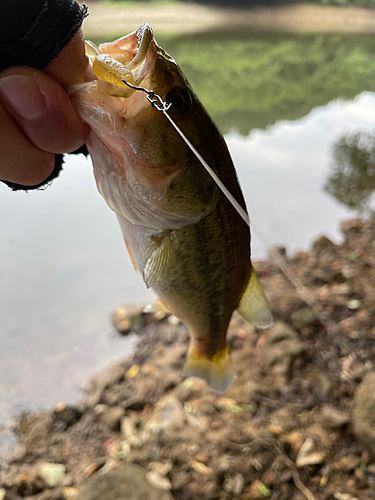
(298, 115)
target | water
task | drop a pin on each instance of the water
(291, 109)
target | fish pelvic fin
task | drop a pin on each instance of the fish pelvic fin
(131, 256)
(157, 306)
(254, 306)
(158, 260)
(216, 370)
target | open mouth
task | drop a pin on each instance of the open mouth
(127, 55)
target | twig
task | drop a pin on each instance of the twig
(289, 463)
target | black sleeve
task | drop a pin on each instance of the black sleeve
(32, 33)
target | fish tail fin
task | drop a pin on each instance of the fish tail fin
(254, 305)
(216, 370)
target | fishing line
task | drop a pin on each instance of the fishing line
(332, 328)
(158, 103)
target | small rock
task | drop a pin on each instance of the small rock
(128, 482)
(228, 404)
(333, 418)
(207, 409)
(109, 466)
(124, 450)
(99, 409)
(127, 427)
(201, 468)
(171, 414)
(52, 474)
(295, 439)
(276, 430)
(363, 411)
(201, 423)
(111, 418)
(220, 465)
(159, 481)
(303, 317)
(354, 304)
(93, 467)
(344, 496)
(2, 493)
(69, 493)
(173, 320)
(18, 453)
(234, 484)
(65, 415)
(307, 454)
(286, 476)
(121, 321)
(133, 371)
(354, 225)
(129, 318)
(340, 289)
(323, 243)
(347, 463)
(282, 347)
(180, 480)
(135, 403)
(257, 490)
(162, 469)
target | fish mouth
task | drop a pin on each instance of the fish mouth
(130, 50)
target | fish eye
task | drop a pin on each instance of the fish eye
(180, 100)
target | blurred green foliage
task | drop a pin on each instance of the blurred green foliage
(252, 80)
(252, 3)
(352, 177)
(260, 3)
(136, 3)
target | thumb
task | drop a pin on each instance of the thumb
(42, 109)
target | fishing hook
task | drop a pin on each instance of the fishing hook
(154, 99)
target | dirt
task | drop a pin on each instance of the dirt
(109, 21)
(298, 422)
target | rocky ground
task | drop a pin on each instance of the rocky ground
(297, 423)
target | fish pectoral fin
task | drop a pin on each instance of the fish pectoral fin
(158, 260)
(215, 370)
(254, 305)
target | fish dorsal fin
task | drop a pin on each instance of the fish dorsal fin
(254, 305)
(158, 260)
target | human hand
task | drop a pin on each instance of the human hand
(37, 118)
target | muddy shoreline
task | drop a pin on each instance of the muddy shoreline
(297, 422)
(108, 21)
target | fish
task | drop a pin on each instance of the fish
(183, 235)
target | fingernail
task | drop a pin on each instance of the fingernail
(23, 95)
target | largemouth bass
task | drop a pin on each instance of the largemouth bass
(183, 235)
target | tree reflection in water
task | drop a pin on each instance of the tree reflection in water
(352, 177)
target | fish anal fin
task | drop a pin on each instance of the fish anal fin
(158, 260)
(216, 370)
(254, 305)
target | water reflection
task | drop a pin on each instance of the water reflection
(252, 80)
(352, 177)
(63, 263)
